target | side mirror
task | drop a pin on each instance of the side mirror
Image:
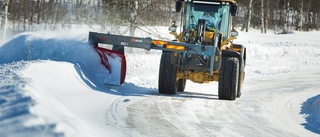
(173, 27)
(233, 9)
(234, 33)
(178, 6)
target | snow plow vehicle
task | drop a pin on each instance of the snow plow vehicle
(202, 52)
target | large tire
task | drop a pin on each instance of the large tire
(182, 84)
(228, 78)
(167, 74)
(241, 78)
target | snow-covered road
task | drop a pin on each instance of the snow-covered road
(58, 91)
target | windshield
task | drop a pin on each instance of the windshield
(216, 16)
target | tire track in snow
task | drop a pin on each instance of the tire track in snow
(115, 116)
(263, 110)
(279, 99)
(149, 117)
(172, 110)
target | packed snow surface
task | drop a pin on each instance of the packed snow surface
(52, 84)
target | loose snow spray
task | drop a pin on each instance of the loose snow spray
(114, 77)
(115, 63)
(57, 47)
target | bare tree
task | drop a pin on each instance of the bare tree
(5, 17)
(262, 27)
(249, 16)
(287, 14)
(133, 16)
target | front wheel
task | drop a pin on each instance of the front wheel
(228, 78)
(168, 83)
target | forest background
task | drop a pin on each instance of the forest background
(268, 15)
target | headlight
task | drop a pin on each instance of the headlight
(234, 33)
(173, 28)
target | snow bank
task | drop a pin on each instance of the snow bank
(270, 54)
(274, 55)
(15, 105)
(18, 113)
(64, 97)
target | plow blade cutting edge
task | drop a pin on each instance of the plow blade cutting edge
(115, 63)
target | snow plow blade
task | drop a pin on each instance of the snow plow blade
(115, 63)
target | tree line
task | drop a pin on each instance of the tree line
(27, 15)
(279, 15)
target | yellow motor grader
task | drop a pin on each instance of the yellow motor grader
(202, 52)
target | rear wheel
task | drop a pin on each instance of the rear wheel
(182, 84)
(168, 74)
(228, 78)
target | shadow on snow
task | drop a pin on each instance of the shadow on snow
(309, 108)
